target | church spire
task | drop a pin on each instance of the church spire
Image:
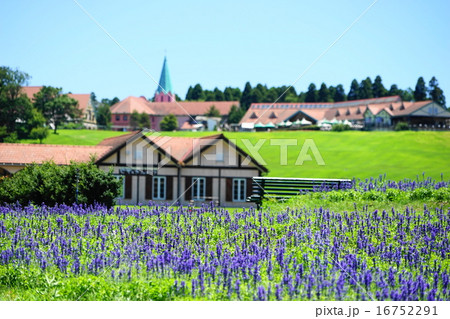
(164, 92)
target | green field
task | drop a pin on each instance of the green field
(76, 137)
(354, 154)
(346, 154)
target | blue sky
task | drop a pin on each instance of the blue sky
(224, 43)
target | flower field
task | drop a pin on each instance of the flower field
(395, 252)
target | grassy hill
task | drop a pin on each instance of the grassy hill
(77, 137)
(346, 154)
(353, 154)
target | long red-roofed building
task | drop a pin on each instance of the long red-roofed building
(383, 112)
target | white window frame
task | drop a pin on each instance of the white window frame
(196, 189)
(156, 190)
(241, 189)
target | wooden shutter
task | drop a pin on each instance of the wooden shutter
(209, 186)
(148, 187)
(128, 185)
(169, 187)
(187, 188)
(229, 190)
(249, 183)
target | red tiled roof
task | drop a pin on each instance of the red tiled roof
(83, 100)
(37, 153)
(182, 148)
(139, 104)
(348, 110)
(30, 91)
(191, 108)
(130, 104)
(117, 140)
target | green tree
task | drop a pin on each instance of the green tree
(235, 115)
(169, 123)
(33, 119)
(353, 94)
(39, 133)
(257, 94)
(246, 98)
(139, 120)
(407, 95)
(311, 94)
(57, 108)
(103, 115)
(420, 93)
(209, 95)
(110, 102)
(189, 94)
(436, 93)
(324, 94)
(394, 90)
(365, 89)
(339, 94)
(218, 95)
(378, 88)
(285, 93)
(232, 94)
(212, 112)
(197, 93)
(15, 106)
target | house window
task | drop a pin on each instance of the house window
(117, 117)
(198, 188)
(239, 189)
(125, 118)
(159, 187)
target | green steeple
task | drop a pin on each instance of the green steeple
(164, 80)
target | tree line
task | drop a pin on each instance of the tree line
(364, 89)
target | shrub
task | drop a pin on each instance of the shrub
(169, 123)
(39, 133)
(72, 126)
(311, 128)
(402, 126)
(340, 127)
(51, 184)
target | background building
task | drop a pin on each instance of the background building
(84, 104)
(164, 104)
(381, 113)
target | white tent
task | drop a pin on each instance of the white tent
(247, 125)
(335, 121)
(305, 122)
(288, 123)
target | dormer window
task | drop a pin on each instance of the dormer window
(337, 113)
(358, 111)
(348, 112)
(273, 115)
(253, 116)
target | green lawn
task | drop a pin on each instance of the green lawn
(76, 137)
(353, 154)
(346, 154)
